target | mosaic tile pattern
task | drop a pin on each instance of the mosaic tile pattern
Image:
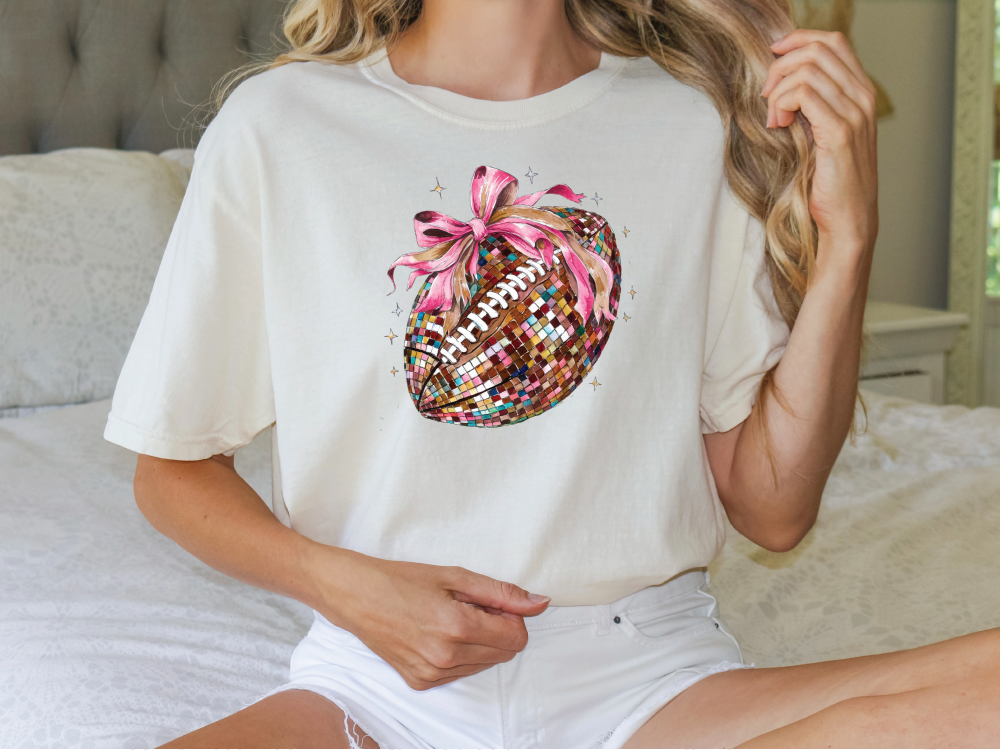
(520, 357)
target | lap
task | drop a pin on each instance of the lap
(292, 718)
(758, 701)
(779, 706)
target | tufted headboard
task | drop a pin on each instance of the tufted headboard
(123, 74)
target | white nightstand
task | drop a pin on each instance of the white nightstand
(905, 353)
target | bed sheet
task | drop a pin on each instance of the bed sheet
(110, 634)
(113, 636)
(905, 550)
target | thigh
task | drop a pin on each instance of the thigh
(291, 718)
(726, 709)
(958, 715)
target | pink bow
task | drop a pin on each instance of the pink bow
(535, 232)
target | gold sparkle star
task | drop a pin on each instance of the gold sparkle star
(439, 190)
(625, 231)
(391, 336)
(594, 383)
(394, 371)
(632, 292)
(626, 318)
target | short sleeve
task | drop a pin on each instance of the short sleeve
(197, 379)
(746, 334)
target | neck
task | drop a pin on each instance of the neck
(500, 50)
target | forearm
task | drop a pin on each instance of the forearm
(413, 615)
(207, 508)
(809, 412)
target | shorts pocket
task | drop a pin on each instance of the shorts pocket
(668, 637)
(672, 622)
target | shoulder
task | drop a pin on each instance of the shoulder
(263, 113)
(280, 94)
(285, 82)
(270, 104)
(667, 100)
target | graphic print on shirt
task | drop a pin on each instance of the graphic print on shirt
(517, 306)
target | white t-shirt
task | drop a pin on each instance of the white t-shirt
(536, 413)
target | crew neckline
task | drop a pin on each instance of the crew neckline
(499, 115)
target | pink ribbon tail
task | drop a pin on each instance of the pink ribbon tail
(563, 190)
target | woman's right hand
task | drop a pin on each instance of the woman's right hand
(430, 623)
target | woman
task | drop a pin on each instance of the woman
(657, 324)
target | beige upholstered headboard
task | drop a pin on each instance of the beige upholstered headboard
(123, 74)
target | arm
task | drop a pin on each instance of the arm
(414, 616)
(818, 380)
(817, 377)
(207, 508)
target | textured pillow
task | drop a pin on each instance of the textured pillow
(81, 235)
(183, 156)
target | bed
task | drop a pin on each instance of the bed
(113, 636)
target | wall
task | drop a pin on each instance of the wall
(909, 46)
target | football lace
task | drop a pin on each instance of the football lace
(507, 292)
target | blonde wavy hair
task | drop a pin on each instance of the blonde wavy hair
(720, 47)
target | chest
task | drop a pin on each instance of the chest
(331, 299)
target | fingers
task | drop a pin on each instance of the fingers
(818, 58)
(833, 40)
(468, 625)
(467, 586)
(825, 61)
(495, 617)
(783, 102)
(450, 623)
(467, 640)
(426, 679)
(830, 130)
(446, 655)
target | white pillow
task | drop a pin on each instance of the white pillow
(81, 235)
(184, 156)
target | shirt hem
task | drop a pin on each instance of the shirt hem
(729, 416)
(139, 440)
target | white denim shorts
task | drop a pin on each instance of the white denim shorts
(590, 676)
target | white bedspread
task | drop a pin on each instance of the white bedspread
(905, 551)
(112, 636)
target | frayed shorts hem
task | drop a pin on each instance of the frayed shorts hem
(340, 701)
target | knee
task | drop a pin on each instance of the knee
(869, 710)
(874, 720)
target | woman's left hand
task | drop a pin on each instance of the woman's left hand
(819, 74)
